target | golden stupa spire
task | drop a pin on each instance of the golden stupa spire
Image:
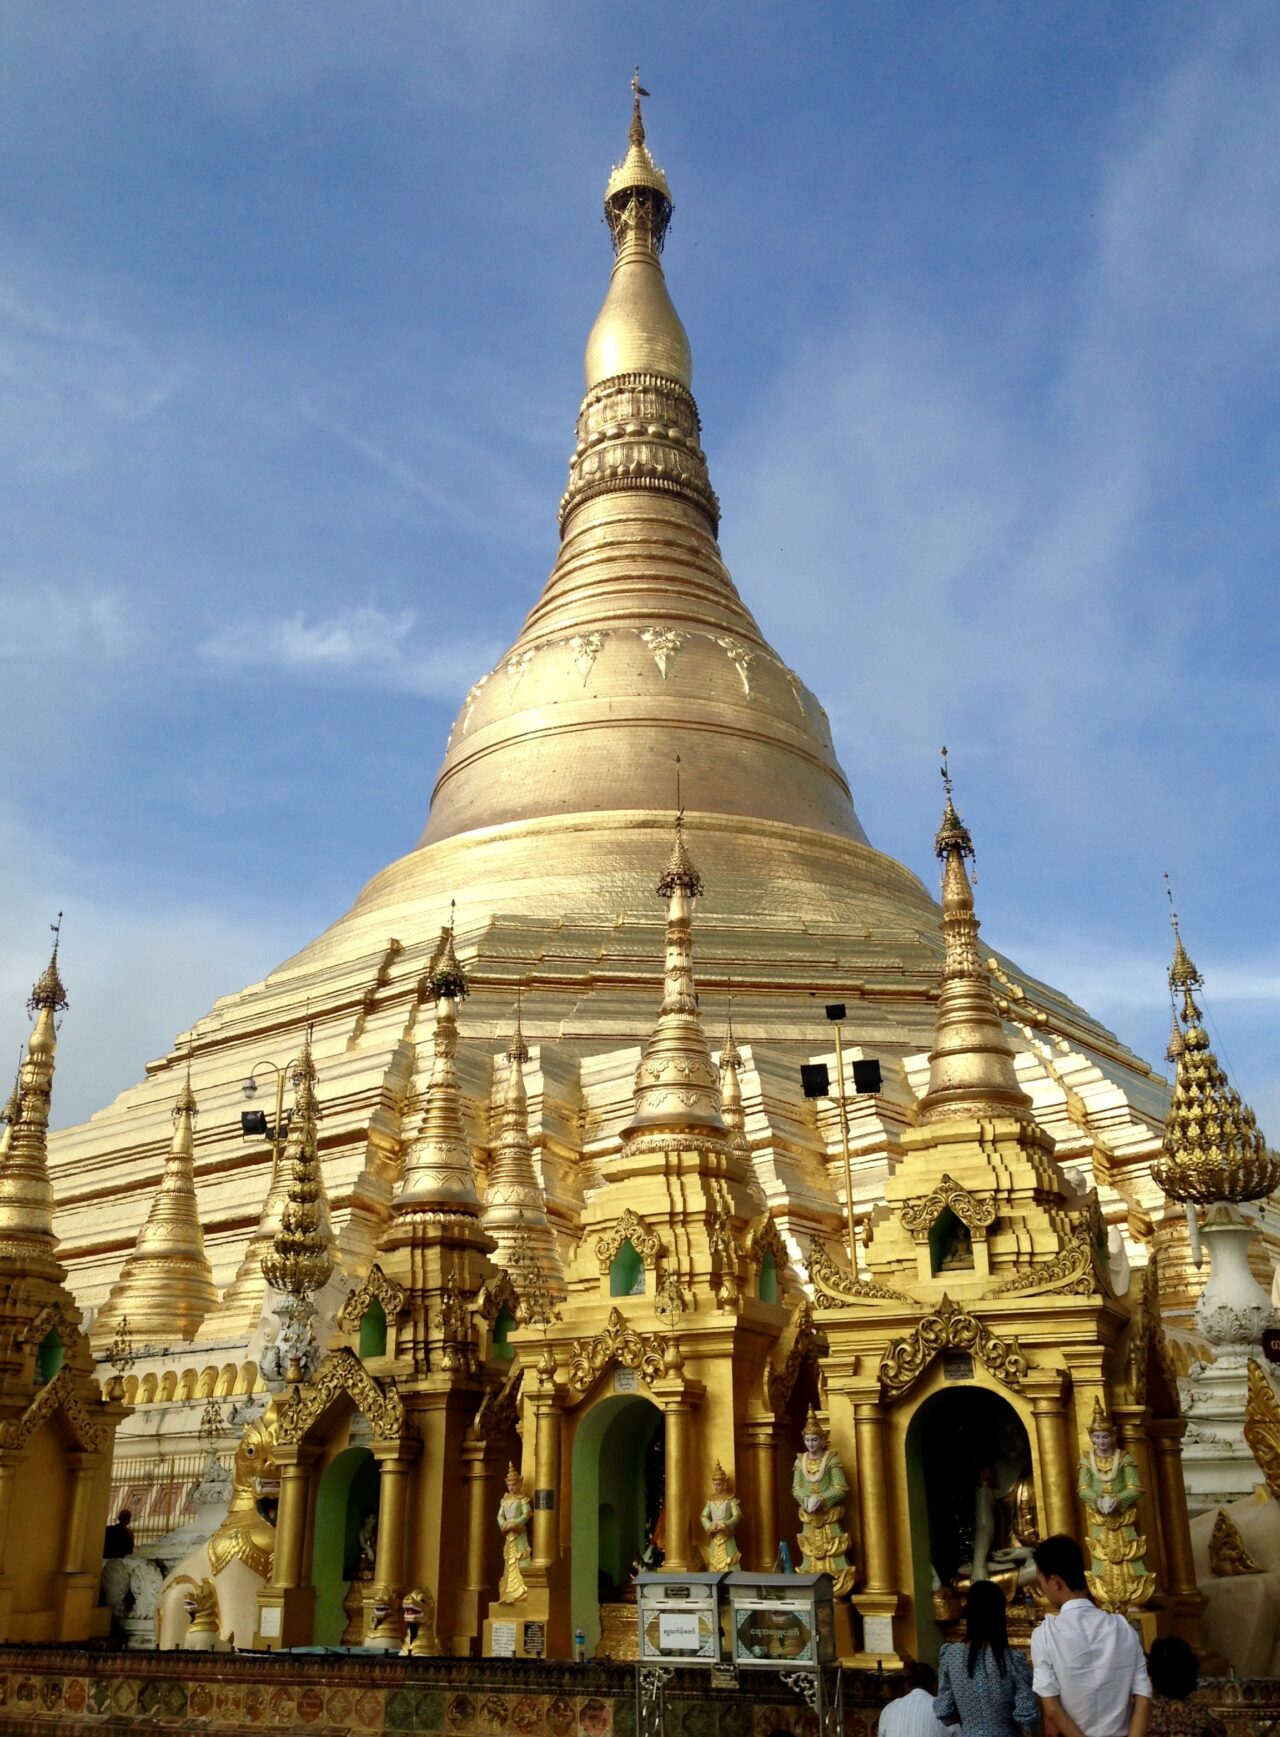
(638, 330)
(166, 1287)
(514, 1198)
(439, 1172)
(971, 1071)
(1213, 1148)
(26, 1196)
(731, 1106)
(677, 1088)
(9, 1113)
(300, 1260)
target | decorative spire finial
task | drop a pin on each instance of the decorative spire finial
(971, 1071)
(679, 876)
(517, 1049)
(48, 990)
(300, 1261)
(446, 980)
(1213, 1148)
(953, 835)
(636, 135)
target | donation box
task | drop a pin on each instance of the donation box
(781, 1621)
(679, 1618)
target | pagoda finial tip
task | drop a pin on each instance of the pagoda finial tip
(953, 835)
(48, 990)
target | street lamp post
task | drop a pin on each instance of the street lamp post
(816, 1081)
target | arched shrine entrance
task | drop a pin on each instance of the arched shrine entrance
(971, 1494)
(618, 1489)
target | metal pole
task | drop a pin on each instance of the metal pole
(277, 1130)
(844, 1144)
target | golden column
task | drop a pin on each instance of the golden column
(286, 1564)
(679, 1558)
(873, 1497)
(1171, 1496)
(1132, 1434)
(1057, 1492)
(478, 1472)
(84, 1468)
(546, 1474)
(394, 1459)
(762, 1440)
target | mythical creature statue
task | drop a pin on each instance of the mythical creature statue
(1110, 1490)
(237, 1558)
(515, 1510)
(419, 1624)
(200, 1602)
(720, 1519)
(820, 1488)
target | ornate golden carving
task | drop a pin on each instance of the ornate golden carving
(802, 1343)
(498, 1413)
(376, 1287)
(244, 1535)
(765, 1238)
(950, 1328)
(53, 1318)
(342, 1373)
(495, 1295)
(1227, 1553)
(978, 1212)
(1074, 1271)
(628, 1228)
(835, 1287)
(1213, 1147)
(1262, 1426)
(618, 1343)
(725, 1255)
(299, 1262)
(62, 1394)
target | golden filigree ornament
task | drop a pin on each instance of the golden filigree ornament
(950, 1328)
(835, 1287)
(1213, 1148)
(618, 1343)
(1228, 1556)
(1262, 1426)
(977, 1212)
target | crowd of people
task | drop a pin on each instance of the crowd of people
(1087, 1675)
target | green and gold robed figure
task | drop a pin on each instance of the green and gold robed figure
(1110, 1490)
(720, 1519)
(515, 1510)
(820, 1487)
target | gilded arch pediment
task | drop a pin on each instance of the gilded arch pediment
(342, 1373)
(975, 1211)
(61, 1394)
(630, 1227)
(618, 1343)
(835, 1287)
(376, 1287)
(949, 1328)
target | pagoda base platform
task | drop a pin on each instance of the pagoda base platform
(313, 1694)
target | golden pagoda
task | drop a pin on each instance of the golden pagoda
(56, 1427)
(626, 1277)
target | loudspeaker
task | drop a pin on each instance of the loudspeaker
(815, 1079)
(866, 1076)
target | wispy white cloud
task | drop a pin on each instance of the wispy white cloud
(360, 646)
(50, 621)
(138, 969)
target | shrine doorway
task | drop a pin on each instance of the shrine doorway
(969, 1480)
(617, 1491)
(348, 1494)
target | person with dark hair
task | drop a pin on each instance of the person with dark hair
(118, 1540)
(1088, 1668)
(983, 1681)
(912, 1714)
(1175, 1671)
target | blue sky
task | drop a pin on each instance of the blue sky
(293, 297)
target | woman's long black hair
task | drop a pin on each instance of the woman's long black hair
(984, 1623)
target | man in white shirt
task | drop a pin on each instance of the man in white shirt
(1088, 1668)
(911, 1715)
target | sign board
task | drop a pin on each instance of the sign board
(877, 1635)
(957, 1366)
(626, 1381)
(503, 1642)
(535, 1639)
(781, 1620)
(544, 1499)
(679, 1617)
(269, 1621)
